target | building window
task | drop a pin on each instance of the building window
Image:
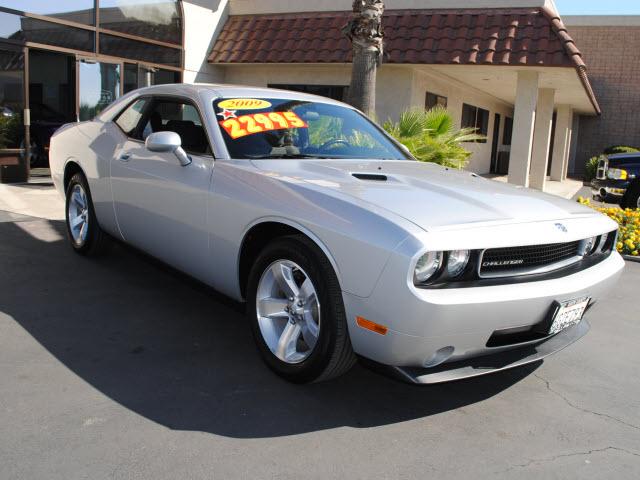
(434, 100)
(149, 31)
(99, 86)
(155, 19)
(475, 117)
(11, 106)
(335, 92)
(79, 11)
(109, 47)
(135, 50)
(508, 130)
(26, 29)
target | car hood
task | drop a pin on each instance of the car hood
(430, 196)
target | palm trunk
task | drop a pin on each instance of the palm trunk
(362, 92)
(365, 32)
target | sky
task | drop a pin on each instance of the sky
(598, 7)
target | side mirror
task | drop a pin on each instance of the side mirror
(163, 142)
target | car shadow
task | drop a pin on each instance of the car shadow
(181, 355)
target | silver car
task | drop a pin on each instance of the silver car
(339, 242)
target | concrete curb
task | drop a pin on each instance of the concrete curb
(631, 258)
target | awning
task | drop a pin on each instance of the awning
(517, 37)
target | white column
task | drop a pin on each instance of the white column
(561, 143)
(523, 124)
(541, 138)
(570, 144)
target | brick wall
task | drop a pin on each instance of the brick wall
(612, 55)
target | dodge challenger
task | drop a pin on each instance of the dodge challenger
(342, 245)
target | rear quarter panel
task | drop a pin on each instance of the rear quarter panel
(91, 145)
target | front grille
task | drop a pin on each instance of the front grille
(522, 260)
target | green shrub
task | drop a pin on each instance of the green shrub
(591, 168)
(431, 137)
(620, 149)
(10, 129)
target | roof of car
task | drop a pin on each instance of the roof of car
(215, 90)
(228, 90)
(619, 156)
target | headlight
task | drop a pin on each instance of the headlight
(588, 246)
(617, 174)
(457, 262)
(427, 266)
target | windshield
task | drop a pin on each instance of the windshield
(624, 162)
(282, 128)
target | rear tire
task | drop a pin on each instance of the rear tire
(83, 231)
(303, 338)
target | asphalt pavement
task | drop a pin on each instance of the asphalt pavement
(121, 368)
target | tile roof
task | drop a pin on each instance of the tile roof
(532, 36)
(500, 36)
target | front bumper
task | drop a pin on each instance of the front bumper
(491, 363)
(612, 190)
(447, 329)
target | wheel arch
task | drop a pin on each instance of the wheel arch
(71, 167)
(263, 231)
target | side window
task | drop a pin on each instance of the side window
(180, 116)
(129, 119)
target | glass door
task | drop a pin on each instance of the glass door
(52, 99)
(13, 166)
(100, 83)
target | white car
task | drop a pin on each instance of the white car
(339, 242)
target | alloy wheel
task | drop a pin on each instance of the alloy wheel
(288, 311)
(78, 214)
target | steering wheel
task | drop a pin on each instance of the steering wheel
(335, 141)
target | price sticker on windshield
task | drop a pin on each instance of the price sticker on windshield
(238, 127)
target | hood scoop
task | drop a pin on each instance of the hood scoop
(373, 177)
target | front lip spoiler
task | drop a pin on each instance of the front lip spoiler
(491, 363)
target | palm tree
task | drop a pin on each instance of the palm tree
(431, 137)
(365, 32)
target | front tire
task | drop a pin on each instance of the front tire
(296, 312)
(83, 231)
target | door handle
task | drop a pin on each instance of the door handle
(125, 157)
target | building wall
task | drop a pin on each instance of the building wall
(203, 20)
(398, 88)
(612, 54)
(457, 94)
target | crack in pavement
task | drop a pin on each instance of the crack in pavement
(535, 461)
(582, 409)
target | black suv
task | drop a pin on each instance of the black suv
(618, 180)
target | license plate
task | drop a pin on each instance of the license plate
(568, 314)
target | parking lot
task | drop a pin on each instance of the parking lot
(122, 368)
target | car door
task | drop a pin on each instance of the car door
(160, 205)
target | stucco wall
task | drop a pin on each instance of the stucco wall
(457, 94)
(398, 88)
(203, 20)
